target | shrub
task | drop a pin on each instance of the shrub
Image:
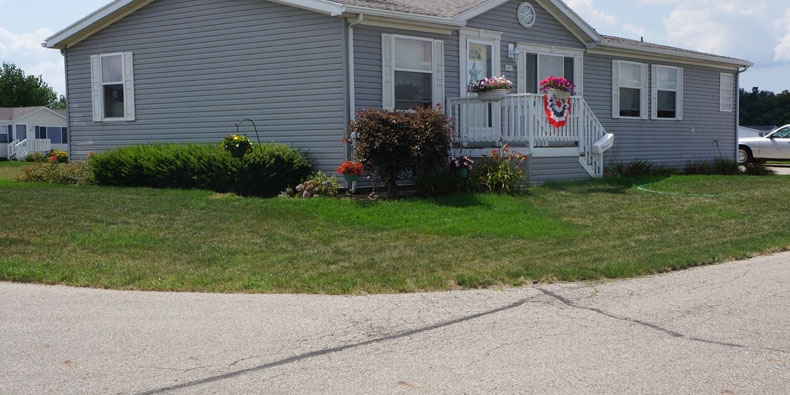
(264, 172)
(316, 185)
(757, 169)
(76, 173)
(393, 144)
(502, 172)
(60, 156)
(36, 157)
(638, 167)
(717, 166)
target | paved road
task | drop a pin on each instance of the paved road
(721, 329)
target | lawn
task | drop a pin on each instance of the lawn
(175, 240)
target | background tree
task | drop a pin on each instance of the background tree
(764, 108)
(18, 90)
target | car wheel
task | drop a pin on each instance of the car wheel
(744, 155)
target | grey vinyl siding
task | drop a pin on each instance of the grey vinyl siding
(367, 63)
(668, 142)
(200, 67)
(545, 31)
(555, 168)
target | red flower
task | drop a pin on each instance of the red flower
(350, 167)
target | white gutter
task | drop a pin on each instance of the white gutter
(603, 46)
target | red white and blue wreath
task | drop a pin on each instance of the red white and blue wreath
(557, 110)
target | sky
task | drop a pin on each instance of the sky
(755, 30)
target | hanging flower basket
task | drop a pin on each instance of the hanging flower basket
(492, 95)
(491, 88)
(238, 152)
(559, 94)
(237, 145)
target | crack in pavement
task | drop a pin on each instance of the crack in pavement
(636, 321)
(332, 350)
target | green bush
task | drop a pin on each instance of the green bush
(77, 173)
(59, 156)
(35, 157)
(720, 166)
(637, 168)
(396, 143)
(263, 172)
(757, 169)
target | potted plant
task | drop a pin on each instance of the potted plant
(350, 170)
(557, 87)
(491, 88)
(237, 145)
(461, 165)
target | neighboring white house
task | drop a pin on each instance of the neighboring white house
(24, 130)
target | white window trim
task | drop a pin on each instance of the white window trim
(478, 36)
(576, 54)
(678, 93)
(97, 89)
(726, 92)
(388, 69)
(643, 90)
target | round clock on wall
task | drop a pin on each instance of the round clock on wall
(526, 15)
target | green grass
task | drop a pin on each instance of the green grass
(173, 240)
(11, 169)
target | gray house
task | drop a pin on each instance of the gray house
(142, 71)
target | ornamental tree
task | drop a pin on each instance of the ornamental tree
(396, 143)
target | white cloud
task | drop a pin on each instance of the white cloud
(25, 51)
(782, 49)
(725, 27)
(586, 8)
(636, 30)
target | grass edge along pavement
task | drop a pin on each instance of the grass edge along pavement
(169, 240)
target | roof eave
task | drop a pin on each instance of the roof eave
(624, 48)
(118, 9)
(92, 23)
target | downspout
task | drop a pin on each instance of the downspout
(65, 53)
(738, 105)
(352, 99)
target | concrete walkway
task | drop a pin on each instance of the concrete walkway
(722, 329)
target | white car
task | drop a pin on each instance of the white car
(775, 145)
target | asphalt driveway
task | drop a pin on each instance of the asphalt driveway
(722, 329)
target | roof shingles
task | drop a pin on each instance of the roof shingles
(438, 8)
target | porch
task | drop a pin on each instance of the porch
(520, 121)
(21, 149)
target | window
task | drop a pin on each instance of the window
(538, 62)
(412, 72)
(629, 89)
(5, 131)
(726, 92)
(112, 89)
(55, 134)
(667, 92)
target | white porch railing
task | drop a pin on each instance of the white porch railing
(520, 120)
(21, 149)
